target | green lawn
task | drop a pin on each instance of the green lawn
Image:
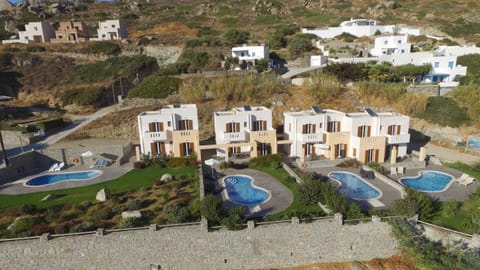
(461, 219)
(445, 112)
(131, 181)
(296, 207)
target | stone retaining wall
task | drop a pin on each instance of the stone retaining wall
(191, 247)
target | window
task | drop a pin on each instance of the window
(363, 131)
(393, 130)
(450, 65)
(371, 155)
(289, 126)
(157, 148)
(113, 25)
(385, 42)
(308, 129)
(333, 126)
(169, 124)
(309, 149)
(436, 64)
(320, 125)
(399, 41)
(35, 28)
(259, 125)
(253, 54)
(155, 127)
(185, 124)
(232, 127)
(402, 51)
(186, 149)
(264, 149)
(245, 124)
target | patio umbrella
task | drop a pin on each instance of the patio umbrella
(211, 162)
(87, 154)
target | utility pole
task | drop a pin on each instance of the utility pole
(3, 150)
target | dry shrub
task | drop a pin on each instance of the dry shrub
(411, 104)
(246, 87)
(323, 86)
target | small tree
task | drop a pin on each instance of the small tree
(300, 44)
(234, 36)
(176, 213)
(211, 208)
(310, 193)
(234, 219)
(415, 203)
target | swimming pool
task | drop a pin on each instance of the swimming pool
(354, 187)
(429, 181)
(53, 178)
(241, 190)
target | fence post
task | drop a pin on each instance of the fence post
(376, 219)
(204, 224)
(338, 218)
(250, 225)
(295, 220)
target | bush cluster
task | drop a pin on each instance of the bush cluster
(156, 86)
(84, 97)
(102, 48)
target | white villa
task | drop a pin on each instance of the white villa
(444, 67)
(251, 53)
(111, 30)
(366, 136)
(389, 45)
(360, 27)
(245, 130)
(34, 32)
(172, 130)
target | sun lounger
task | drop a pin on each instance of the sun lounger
(95, 164)
(468, 181)
(462, 178)
(103, 163)
(393, 171)
(53, 167)
(60, 167)
(400, 170)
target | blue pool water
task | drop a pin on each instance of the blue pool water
(428, 181)
(474, 143)
(48, 179)
(354, 187)
(240, 190)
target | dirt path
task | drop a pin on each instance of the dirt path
(451, 155)
(77, 123)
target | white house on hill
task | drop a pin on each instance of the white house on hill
(251, 53)
(360, 27)
(111, 30)
(389, 45)
(34, 32)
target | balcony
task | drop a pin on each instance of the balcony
(157, 135)
(234, 136)
(398, 139)
(310, 138)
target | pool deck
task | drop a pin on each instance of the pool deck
(108, 173)
(280, 200)
(454, 192)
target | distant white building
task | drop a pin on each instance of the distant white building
(172, 130)
(360, 27)
(444, 67)
(34, 32)
(251, 53)
(111, 30)
(389, 45)
(457, 50)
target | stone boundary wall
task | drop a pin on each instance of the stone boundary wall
(447, 236)
(192, 247)
(17, 138)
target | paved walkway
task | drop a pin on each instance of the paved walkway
(108, 173)
(281, 197)
(451, 155)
